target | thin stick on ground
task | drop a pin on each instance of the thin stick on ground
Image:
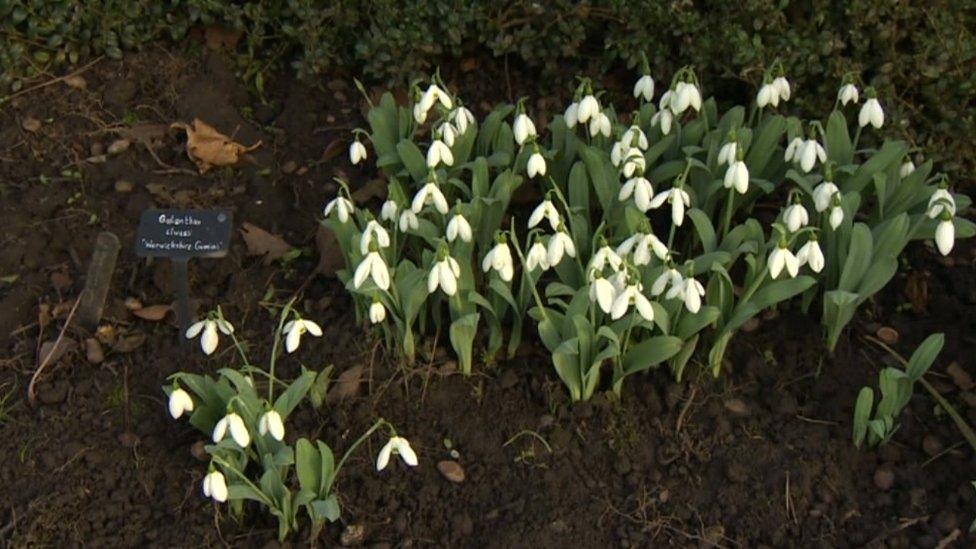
(47, 83)
(47, 358)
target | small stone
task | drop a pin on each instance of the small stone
(53, 393)
(888, 335)
(884, 478)
(75, 81)
(124, 186)
(932, 445)
(199, 451)
(353, 535)
(93, 351)
(119, 146)
(664, 496)
(451, 470)
(737, 407)
(96, 149)
(289, 167)
(31, 124)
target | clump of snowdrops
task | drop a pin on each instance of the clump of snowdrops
(245, 411)
(650, 239)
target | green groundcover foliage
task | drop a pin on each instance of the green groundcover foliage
(920, 54)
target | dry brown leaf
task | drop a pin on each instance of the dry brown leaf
(129, 343)
(76, 82)
(221, 38)
(207, 147)
(375, 188)
(347, 385)
(154, 313)
(334, 149)
(330, 254)
(50, 354)
(119, 146)
(261, 242)
(917, 291)
(960, 377)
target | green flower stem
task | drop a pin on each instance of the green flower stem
(727, 221)
(274, 349)
(227, 465)
(379, 423)
(518, 250)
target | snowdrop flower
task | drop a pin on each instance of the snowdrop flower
(782, 257)
(768, 95)
(737, 176)
(374, 233)
(537, 257)
(602, 292)
(782, 87)
(523, 128)
(419, 113)
(793, 149)
(271, 422)
(408, 221)
(342, 206)
(401, 447)
(430, 193)
(822, 195)
(679, 200)
(462, 118)
(686, 94)
(836, 212)
(665, 119)
(588, 108)
(444, 274)
(808, 154)
(209, 327)
(545, 210)
(634, 162)
(795, 216)
(871, 112)
(600, 125)
(848, 94)
(572, 115)
(728, 153)
(372, 266)
(810, 253)
(635, 137)
(357, 152)
(215, 486)
(294, 329)
(906, 169)
(377, 312)
(560, 244)
(536, 165)
(179, 403)
(690, 291)
(389, 211)
(670, 277)
(604, 256)
(458, 226)
(448, 133)
(644, 88)
(439, 153)
(632, 297)
(619, 281)
(642, 191)
(499, 258)
(617, 153)
(238, 431)
(643, 245)
(434, 92)
(945, 233)
(940, 201)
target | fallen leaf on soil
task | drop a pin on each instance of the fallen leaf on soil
(375, 188)
(261, 242)
(129, 343)
(31, 124)
(737, 407)
(154, 313)
(347, 385)
(143, 132)
(119, 146)
(93, 351)
(888, 335)
(132, 303)
(334, 149)
(106, 335)
(207, 147)
(917, 291)
(76, 82)
(330, 254)
(960, 377)
(49, 354)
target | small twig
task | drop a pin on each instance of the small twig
(816, 421)
(528, 432)
(942, 453)
(52, 81)
(47, 358)
(684, 409)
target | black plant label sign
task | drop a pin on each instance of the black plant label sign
(183, 234)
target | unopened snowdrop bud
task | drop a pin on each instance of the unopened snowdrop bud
(430, 193)
(448, 133)
(458, 226)
(408, 221)
(811, 254)
(537, 257)
(295, 329)
(632, 297)
(179, 403)
(560, 244)
(207, 330)
(399, 446)
(782, 258)
(940, 201)
(728, 153)
(809, 153)
(215, 486)
(782, 87)
(644, 88)
(906, 169)
(388, 212)
(822, 196)
(499, 259)
(439, 153)
(342, 206)
(271, 423)
(373, 266)
(600, 125)
(357, 152)
(377, 312)
(588, 108)
(848, 94)
(945, 233)
(444, 274)
(795, 216)
(836, 212)
(523, 128)
(545, 210)
(536, 165)
(602, 292)
(572, 115)
(737, 176)
(871, 112)
(235, 425)
(374, 232)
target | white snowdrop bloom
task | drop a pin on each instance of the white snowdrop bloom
(439, 153)
(692, 292)
(388, 212)
(408, 221)
(444, 274)
(600, 125)
(272, 423)
(207, 330)
(836, 216)
(588, 108)
(727, 154)
(823, 194)
(634, 137)
(536, 165)
(419, 113)
(782, 86)
(357, 152)
(458, 226)
(781, 258)
(235, 425)
(641, 190)
(603, 257)
(523, 128)
(617, 153)
(462, 118)
(767, 95)
(737, 176)
(448, 133)
(179, 403)
(572, 115)
(537, 257)
(399, 446)
(343, 208)
(560, 244)
(945, 234)
(430, 193)
(811, 254)
(295, 329)
(664, 119)
(809, 153)
(374, 232)
(545, 210)
(373, 266)
(619, 281)
(643, 245)
(941, 200)
(871, 113)
(793, 149)
(679, 200)
(906, 169)
(499, 259)
(377, 312)
(434, 92)
(602, 292)
(215, 486)
(795, 216)
(634, 162)
(686, 94)
(664, 103)
(631, 297)
(671, 277)
(644, 88)
(848, 94)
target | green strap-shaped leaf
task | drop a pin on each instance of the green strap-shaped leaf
(859, 255)
(838, 141)
(413, 159)
(924, 356)
(704, 228)
(862, 414)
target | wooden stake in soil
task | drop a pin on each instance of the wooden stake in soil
(92, 299)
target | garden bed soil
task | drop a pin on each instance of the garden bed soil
(762, 456)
